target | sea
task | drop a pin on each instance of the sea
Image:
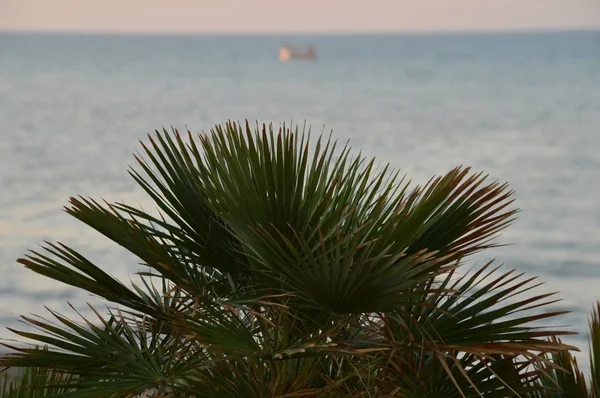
(521, 107)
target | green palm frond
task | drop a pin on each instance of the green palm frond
(71, 268)
(564, 378)
(466, 329)
(595, 350)
(34, 382)
(453, 376)
(114, 358)
(283, 203)
(480, 312)
(277, 266)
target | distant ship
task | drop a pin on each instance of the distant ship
(288, 53)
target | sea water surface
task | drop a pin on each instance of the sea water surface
(524, 108)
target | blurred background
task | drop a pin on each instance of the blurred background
(508, 87)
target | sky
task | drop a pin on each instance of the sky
(260, 16)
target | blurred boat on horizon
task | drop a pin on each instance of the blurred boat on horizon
(287, 53)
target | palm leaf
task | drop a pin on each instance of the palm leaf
(110, 359)
(595, 350)
(33, 382)
(471, 322)
(274, 196)
(422, 374)
(479, 313)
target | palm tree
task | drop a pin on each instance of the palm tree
(281, 267)
(563, 379)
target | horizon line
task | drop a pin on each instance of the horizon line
(102, 32)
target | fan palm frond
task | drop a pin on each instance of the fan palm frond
(277, 266)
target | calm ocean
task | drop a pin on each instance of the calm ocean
(523, 107)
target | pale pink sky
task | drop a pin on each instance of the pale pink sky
(298, 15)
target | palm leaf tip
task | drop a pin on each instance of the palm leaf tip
(594, 340)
